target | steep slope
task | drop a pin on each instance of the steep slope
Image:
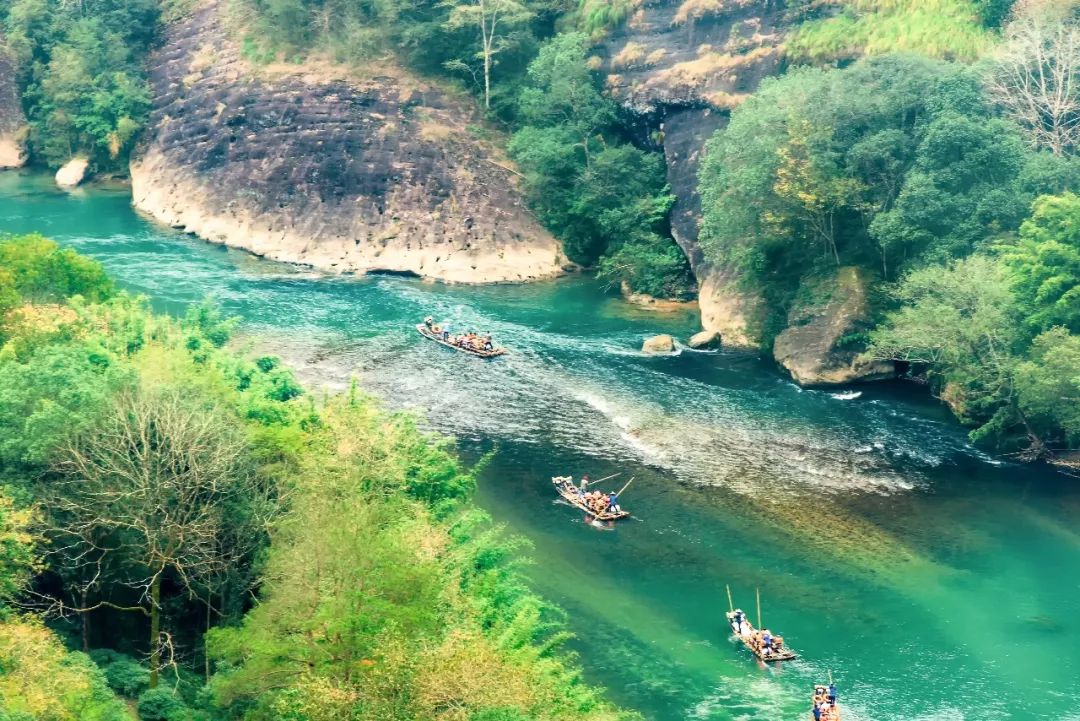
(683, 66)
(12, 122)
(306, 165)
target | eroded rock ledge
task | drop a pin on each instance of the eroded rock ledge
(819, 346)
(12, 121)
(303, 165)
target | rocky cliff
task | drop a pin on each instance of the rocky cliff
(683, 65)
(820, 345)
(309, 165)
(12, 121)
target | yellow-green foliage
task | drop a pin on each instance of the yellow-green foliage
(374, 609)
(948, 29)
(596, 17)
(40, 679)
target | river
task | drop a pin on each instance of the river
(934, 581)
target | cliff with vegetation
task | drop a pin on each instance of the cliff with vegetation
(12, 122)
(312, 164)
(681, 67)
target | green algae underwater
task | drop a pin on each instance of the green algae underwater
(933, 580)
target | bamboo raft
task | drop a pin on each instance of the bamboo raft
(747, 635)
(422, 330)
(829, 712)
(571, 496)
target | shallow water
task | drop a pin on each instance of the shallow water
(934, 581)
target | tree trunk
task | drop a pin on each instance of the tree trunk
(206, 652)
(85, 618)
(487, 78)
(155, 629)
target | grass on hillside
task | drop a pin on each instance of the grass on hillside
(948, 29)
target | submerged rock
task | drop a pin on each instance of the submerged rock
(705, 339)
(12, 121)
(659, 344)
(818, 347)
(73, 173)
(320, 166)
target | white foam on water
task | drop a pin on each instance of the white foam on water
(848, 396)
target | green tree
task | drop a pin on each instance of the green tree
(17, 554)
(82, 75)
(607, 200)
(960, 323)
(494, 20)
(1045, 263)
(42, 271)
(1048, 387)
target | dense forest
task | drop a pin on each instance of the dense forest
(155, 483)
(940, 180)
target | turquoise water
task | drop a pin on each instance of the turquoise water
(934, 581)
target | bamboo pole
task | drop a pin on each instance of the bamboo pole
(830, 677)
(626, 486)
(605, 478)
(758, 591)
(730, 603)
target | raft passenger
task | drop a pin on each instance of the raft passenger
(613, 503)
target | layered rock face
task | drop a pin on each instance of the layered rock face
(684, 66)
(12, 121)
(305, 165)
(814, 347)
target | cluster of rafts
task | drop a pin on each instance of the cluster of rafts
(603, 507)
(769, 648)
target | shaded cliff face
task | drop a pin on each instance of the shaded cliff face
(814, 348)
(310, 167)
(685, 65)
(12, 121)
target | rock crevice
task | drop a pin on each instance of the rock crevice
(315, 167)
(684, 65)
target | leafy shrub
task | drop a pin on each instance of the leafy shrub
(162, 704)
(127, 677)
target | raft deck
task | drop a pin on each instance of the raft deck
(571, 497)
(422, 330)
(747, 635)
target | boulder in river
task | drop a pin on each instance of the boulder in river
(817, 347)
(705, 339)
(659, 344)
(73, 172)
